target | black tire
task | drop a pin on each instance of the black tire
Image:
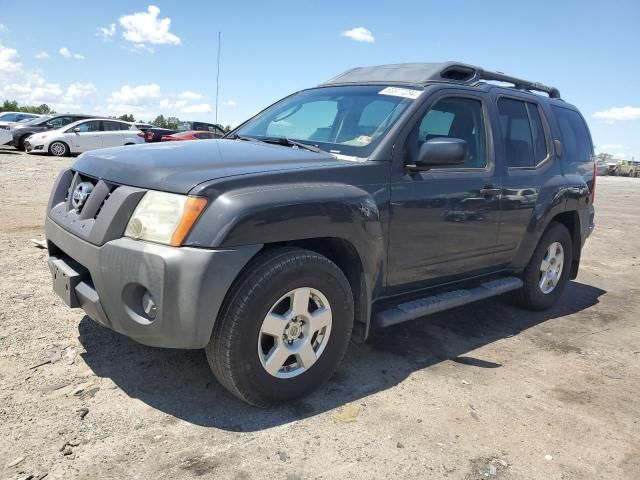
(59, 153)
(21, 141)
(531, 296)
(232, 351)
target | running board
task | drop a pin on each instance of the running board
(444, 301)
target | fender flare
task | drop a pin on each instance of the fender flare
(299, 211)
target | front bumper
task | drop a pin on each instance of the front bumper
(187, 285)
(34, 147)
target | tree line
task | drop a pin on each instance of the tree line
(160, 121)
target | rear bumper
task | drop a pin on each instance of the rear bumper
(188, 285)
(5, 136)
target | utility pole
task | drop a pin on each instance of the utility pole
(218, 77)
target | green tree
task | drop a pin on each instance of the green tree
(227, 128)
(9, 106)
(159, 122)
(127, 117)
(172, 123)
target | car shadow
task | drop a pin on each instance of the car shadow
(179, 382)
(9, 151)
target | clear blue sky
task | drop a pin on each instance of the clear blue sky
(141, 65)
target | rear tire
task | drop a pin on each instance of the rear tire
(264, 362)
(544, 279)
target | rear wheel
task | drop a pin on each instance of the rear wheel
(547, 273)
(283, 329)
(59, 149)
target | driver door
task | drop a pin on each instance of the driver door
(444, 221)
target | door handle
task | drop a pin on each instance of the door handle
(488, 191)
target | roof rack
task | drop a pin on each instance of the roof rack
(518, 83)
(424, 73)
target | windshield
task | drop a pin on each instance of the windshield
(348, 120)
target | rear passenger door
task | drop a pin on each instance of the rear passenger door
(526, 146)
(112, 134)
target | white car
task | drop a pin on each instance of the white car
(9, 118)
(84, 135)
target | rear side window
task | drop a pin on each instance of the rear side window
(575, 136)
(523, 133)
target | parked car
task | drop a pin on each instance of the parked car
(601, 167)
(83, 136)
(376, 198)
(10, 118)
(628, 168)
(155, 134)
(143, 127)
(190, 135)
(21, 131)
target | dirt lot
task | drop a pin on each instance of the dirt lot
(484, 391)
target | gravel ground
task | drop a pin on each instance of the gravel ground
(483, 391)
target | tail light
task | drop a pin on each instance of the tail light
(593, 185)
(142, 135)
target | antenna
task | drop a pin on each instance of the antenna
(218, 78)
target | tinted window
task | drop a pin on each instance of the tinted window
(114, 126)
(454, 118)
(575, 136)
(516, 133)
(8, 117)
(537, 130)
(93, 126)
(58, 122)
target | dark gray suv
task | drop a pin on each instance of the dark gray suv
(21, 131)
(383, 195)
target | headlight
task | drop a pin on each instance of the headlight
(164, 217)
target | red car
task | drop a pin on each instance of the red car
(191, 135)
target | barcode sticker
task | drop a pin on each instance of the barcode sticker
(401, 92)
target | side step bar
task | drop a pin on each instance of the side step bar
(444, 301)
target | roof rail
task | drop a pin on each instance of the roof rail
(518, 83)
(424, 73)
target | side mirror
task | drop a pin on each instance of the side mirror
(440, 151)
(76, 130)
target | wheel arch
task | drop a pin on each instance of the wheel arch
(571, 220)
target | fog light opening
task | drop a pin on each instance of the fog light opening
(149, 305)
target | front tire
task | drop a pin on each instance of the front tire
(547, 273)
(59, 149)
(284, 327)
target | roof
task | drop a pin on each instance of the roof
(421, 74)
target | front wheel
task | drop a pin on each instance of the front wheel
(547, 272)
(58, 149)
(284, 327)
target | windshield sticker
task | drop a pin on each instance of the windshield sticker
(401, 92)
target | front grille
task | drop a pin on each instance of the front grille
(87, 195)
(98, 212)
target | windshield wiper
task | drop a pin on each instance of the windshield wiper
(284, 141)
(292, 143)
(235, 136)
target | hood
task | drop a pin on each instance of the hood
(179, 166)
